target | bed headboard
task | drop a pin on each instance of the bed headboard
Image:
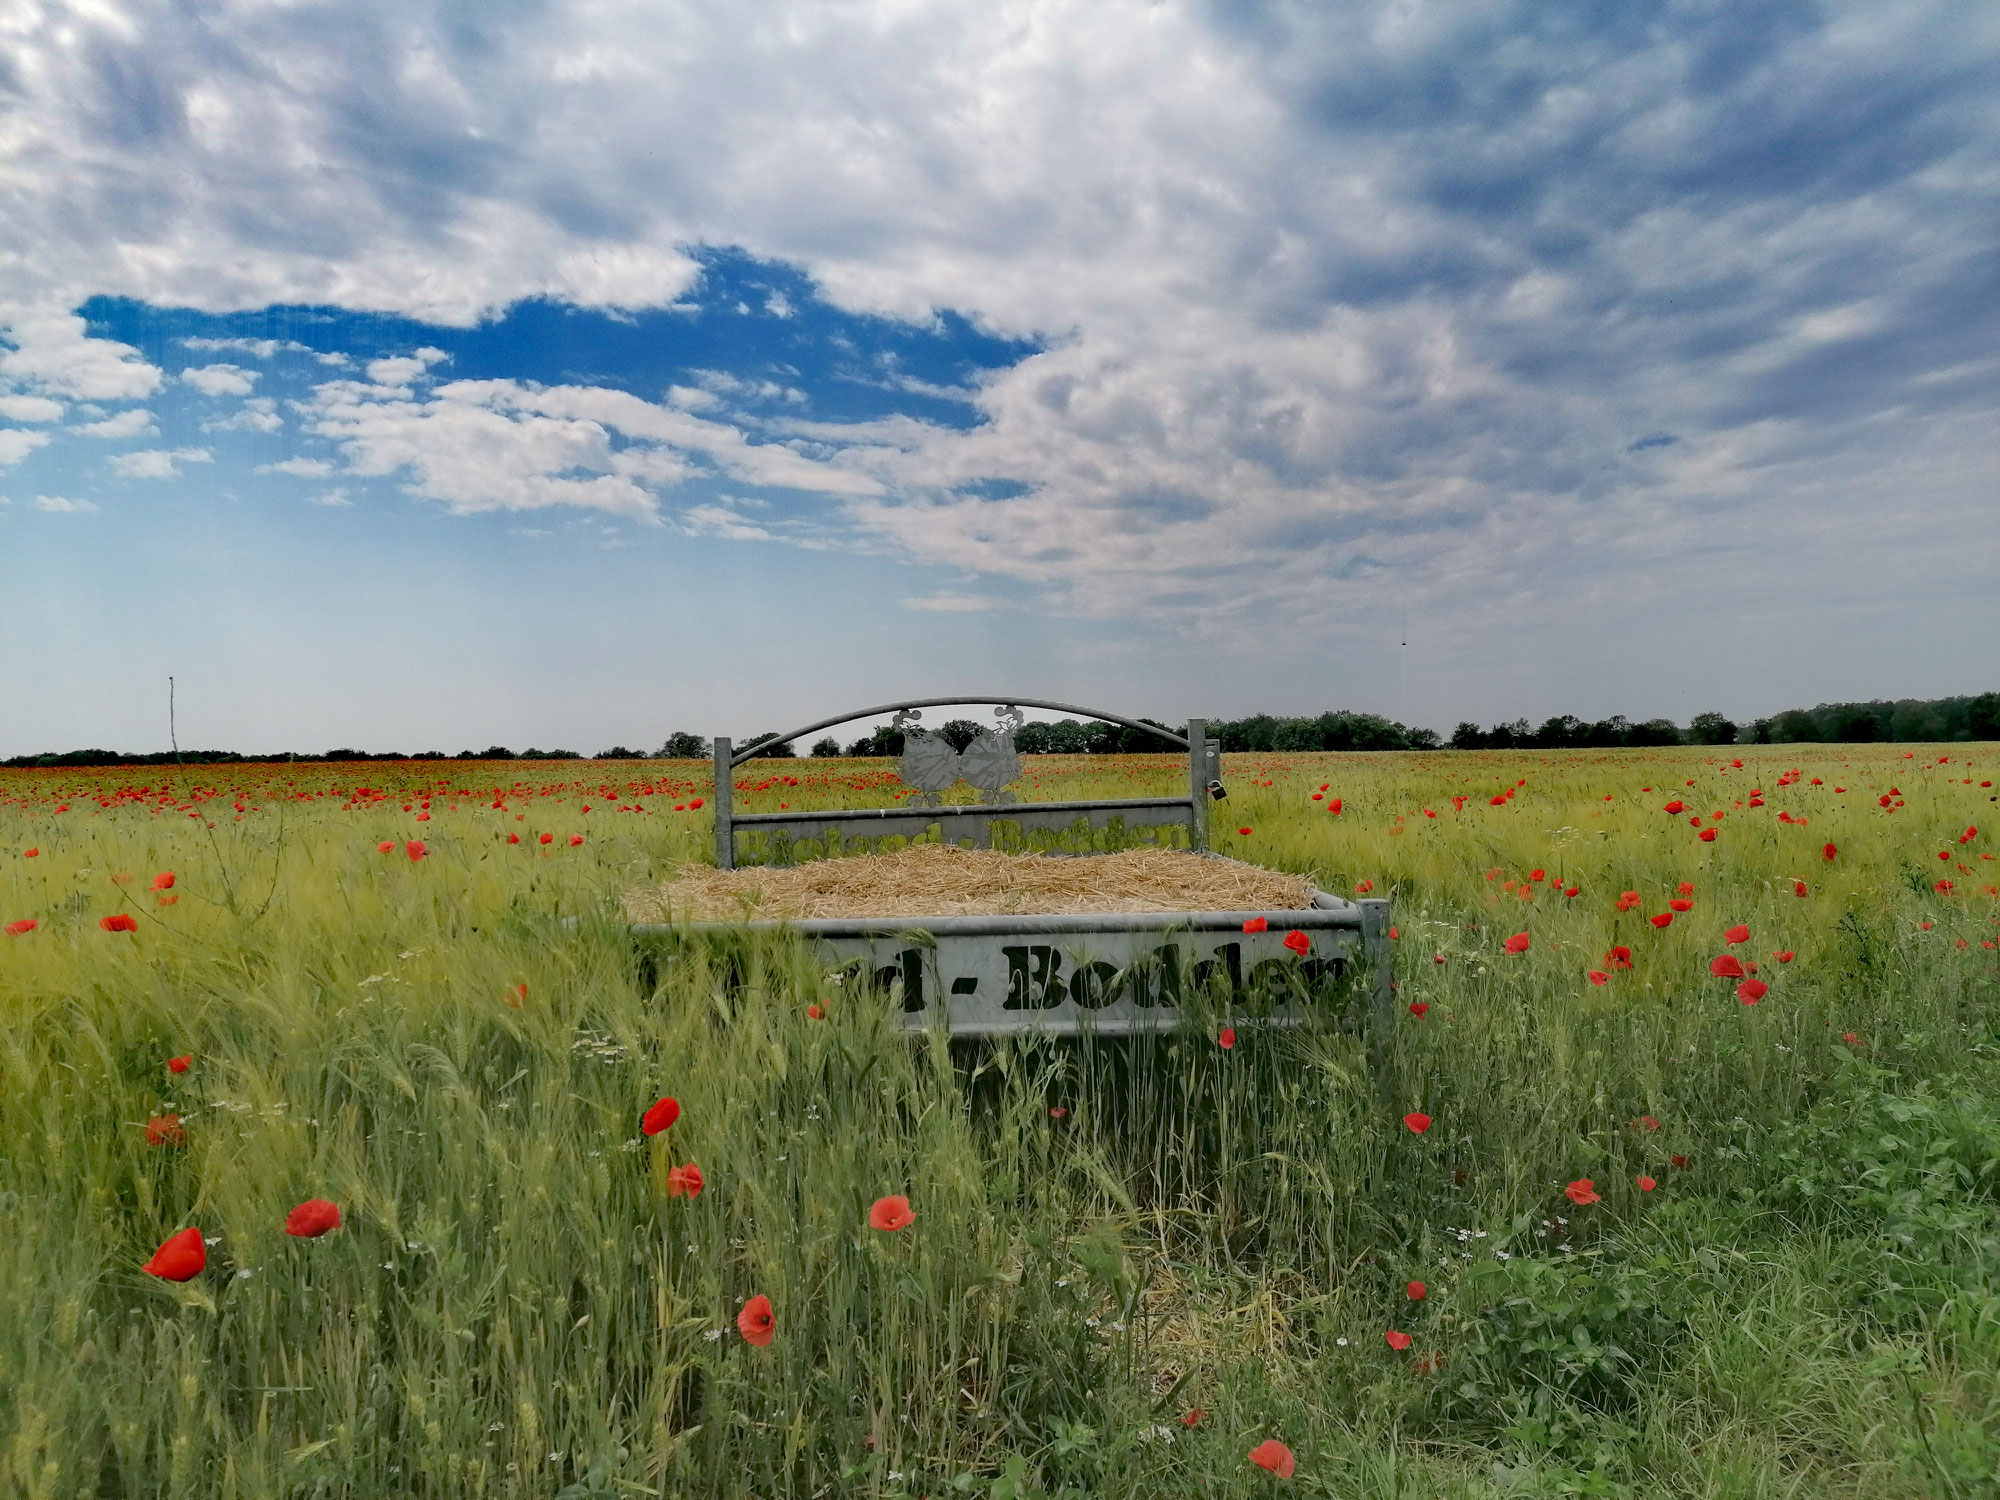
(989, 763)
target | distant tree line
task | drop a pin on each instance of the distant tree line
(1905, 720)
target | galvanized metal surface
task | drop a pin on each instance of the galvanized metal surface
(1104, 973)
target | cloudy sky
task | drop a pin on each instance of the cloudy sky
(421, 375)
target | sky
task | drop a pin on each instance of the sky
(433, 376)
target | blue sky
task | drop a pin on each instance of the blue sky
(435, 376)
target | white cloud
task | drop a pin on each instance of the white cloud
(401, 370)
(157, 463)
(220, 380)
(716, 520)
(254, 348)
(258, 414)
(16, 443)
(138, 422)
(62, 505)
(951, 604)
(332, 498)
(30, 409)
(304, 468)
(53, 353)
(509, 445)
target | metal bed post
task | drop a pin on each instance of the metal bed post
(725, 786)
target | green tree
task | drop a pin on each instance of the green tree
(1711, 729)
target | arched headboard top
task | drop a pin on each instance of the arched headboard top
(750, 752)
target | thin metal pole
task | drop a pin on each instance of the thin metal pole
(725, 786)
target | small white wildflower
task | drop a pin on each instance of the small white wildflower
(244, 1274)
(1340, 1343)
(712, 1335)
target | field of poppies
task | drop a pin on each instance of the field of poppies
(348, 1147)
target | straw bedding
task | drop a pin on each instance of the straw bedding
(931, 880)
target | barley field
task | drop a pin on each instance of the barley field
(1680, 1174)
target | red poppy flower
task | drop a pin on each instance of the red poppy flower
(1680, 1162)
(1192, 1417)
(1798, 887)
(1057, 1112)
(385, 846)
(1581, 1192)
(687, 1179)
(575, 839)
(180, 1064)
(165, 1130)
(1620, 957)
(1333, 804)
(1708, 835)
(1256, 924)
(1675, 806)
(119, 922)
(311, 1219)
(663, 1114)
(695, 802)
(1726, 967)
(1783, 955)
(1418, 1007)
(756, 1322)
(415, 849)
(1226, 1038)
(1664, 919)
(1829, 851)
(1646, 1184)
(891, 1214)
(1519, 943)
(1629, 900)
(164, 881)
(1646, 1122)
(1750, 991)
(1244, 832)
(548, 838)
(1363, 887)
(1418, 1121)
(1598, 976)
(1298, 942)
(29, 853)
(1275, 1456)
(1397, 1341)
(180, 1258)
(1853, 1039)
(1393, 934)
(513, 838)
(1417, 1291)
(1740, 933)
(1681, 903)
(1537, 875)
(815, 1012)
(25, 925)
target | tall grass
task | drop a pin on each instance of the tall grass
(1110, 1236)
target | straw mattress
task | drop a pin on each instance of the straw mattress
(932, 880)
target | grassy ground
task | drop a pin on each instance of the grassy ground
(1129, 1266)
